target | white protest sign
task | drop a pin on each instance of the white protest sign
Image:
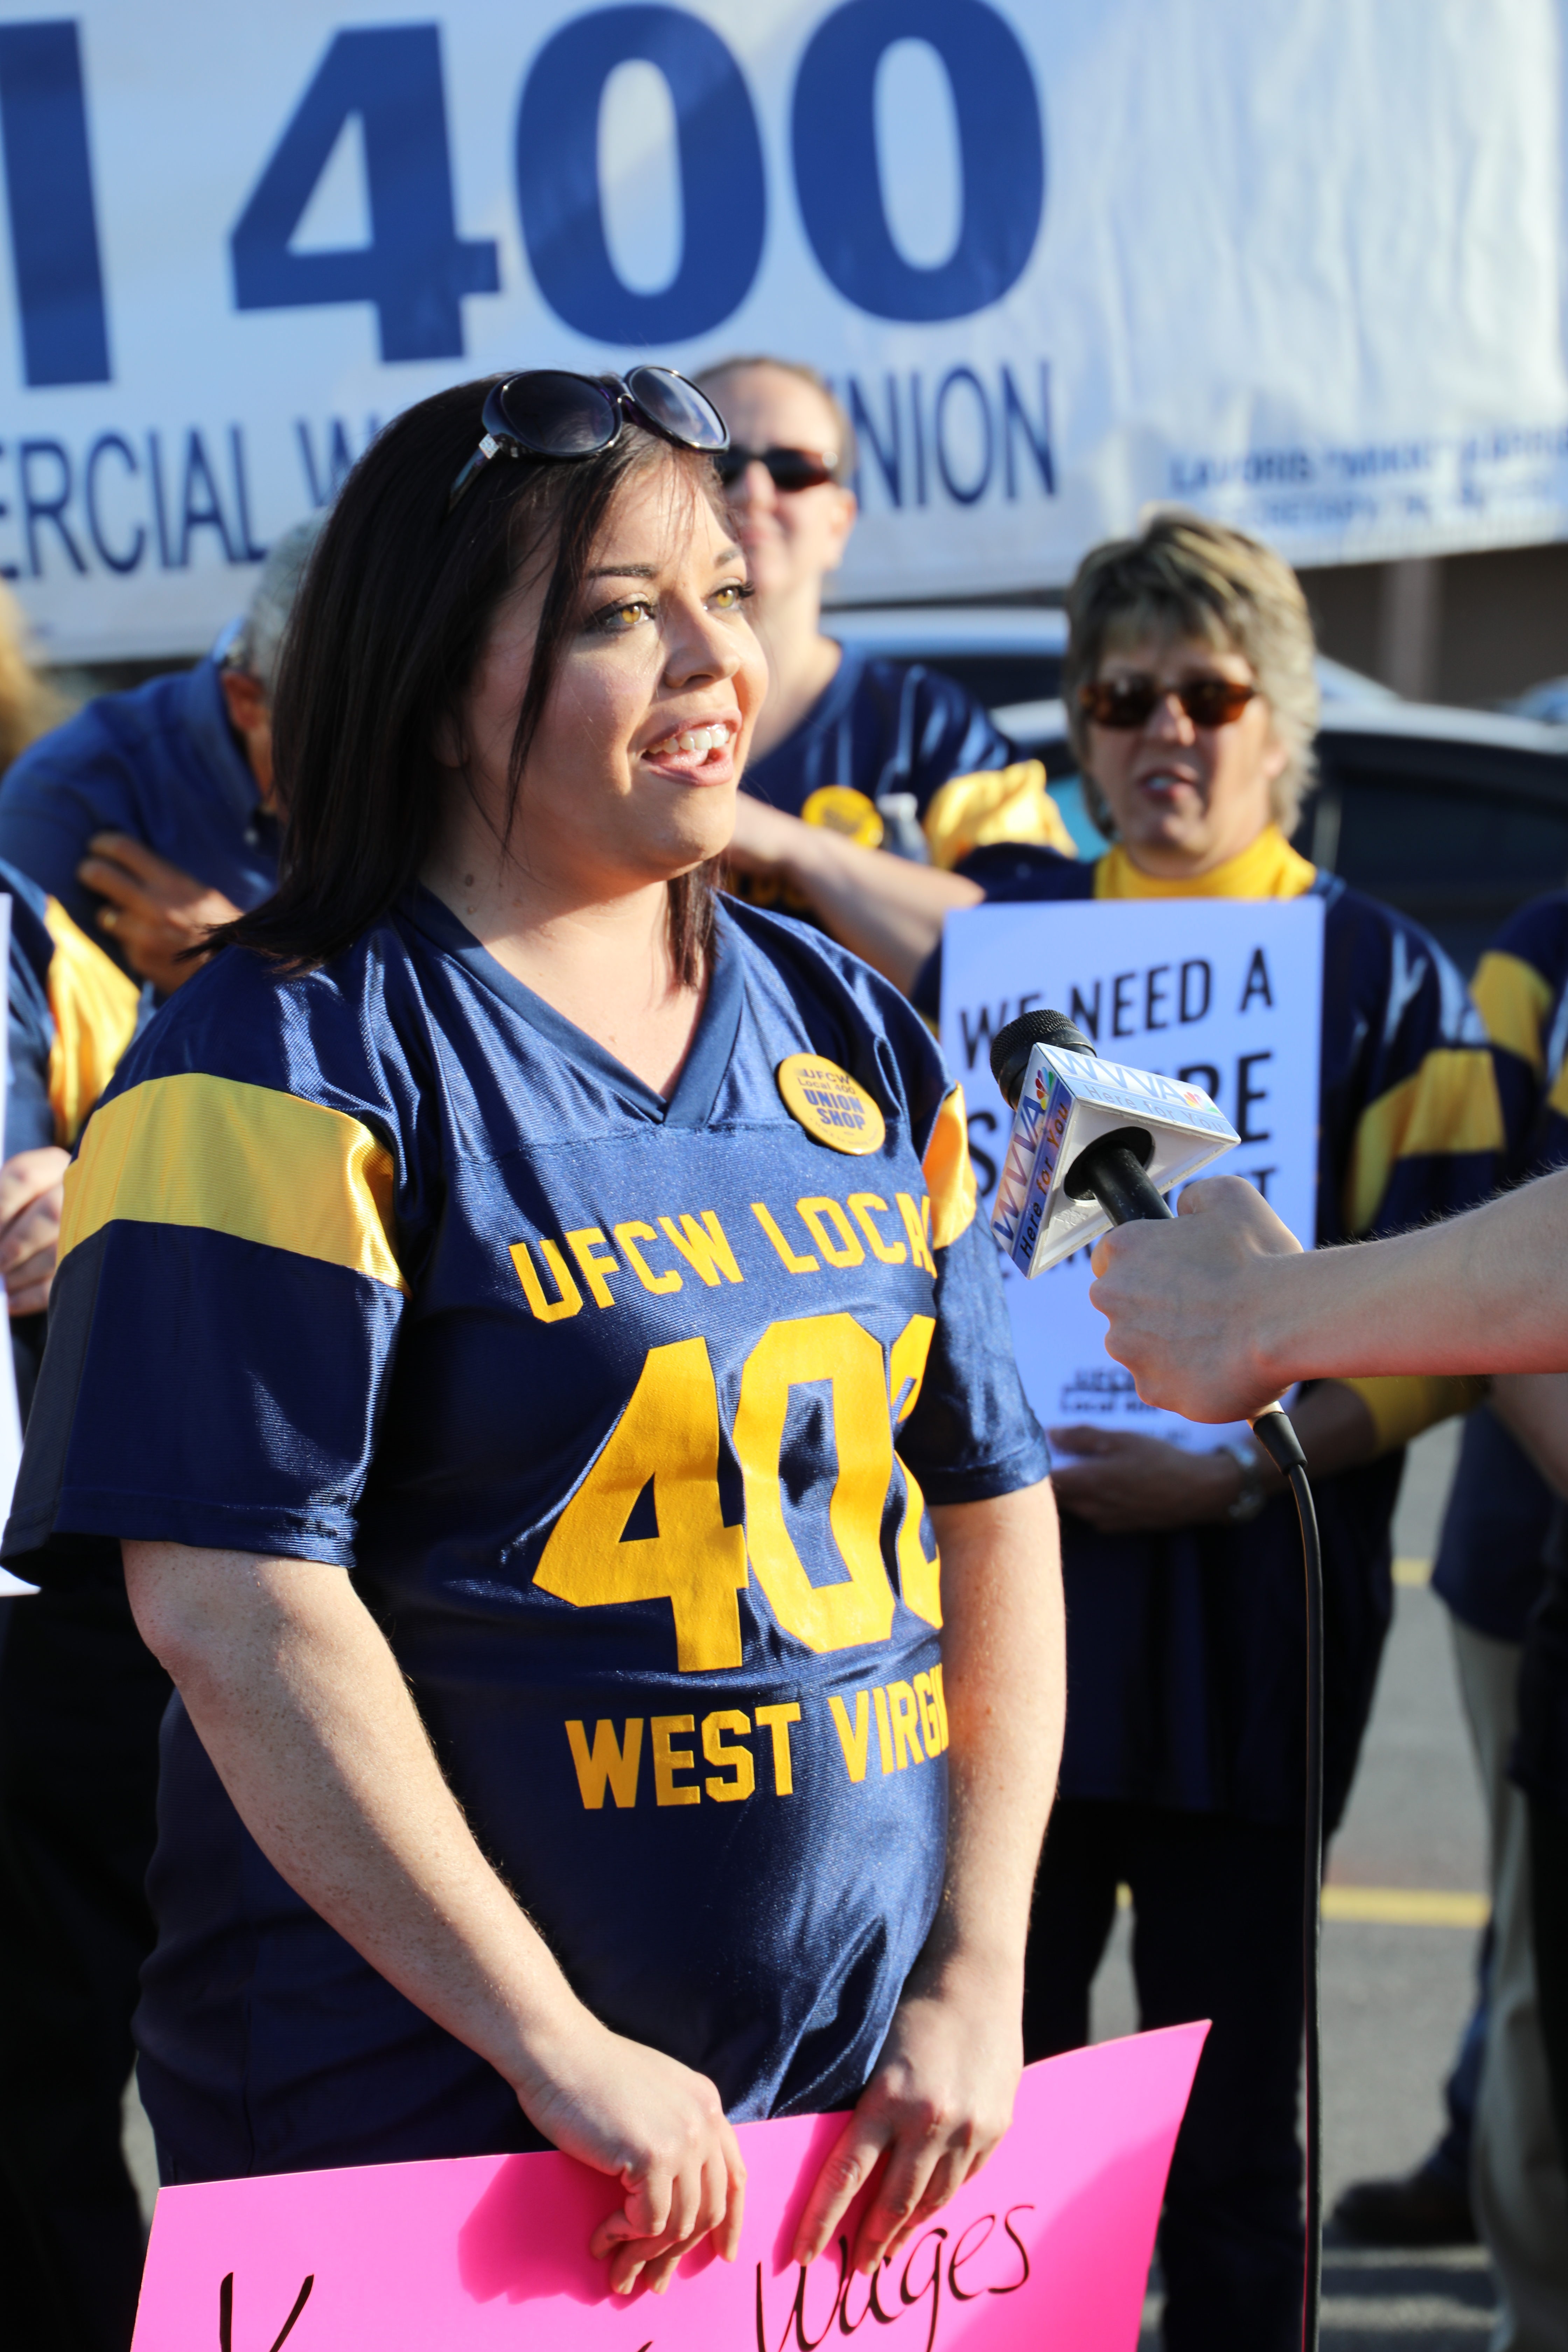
(1223, 993)
(1298, 266)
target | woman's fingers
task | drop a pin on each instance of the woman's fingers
(729, 2236)
(849, 2164)
(947, 2176)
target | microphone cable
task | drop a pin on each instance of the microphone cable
(1279, 1440)
(1115, 1172)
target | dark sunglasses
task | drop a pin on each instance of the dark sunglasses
(791, 469)
(1129, 702)
(551, 413)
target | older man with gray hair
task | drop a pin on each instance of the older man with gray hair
(150, 815)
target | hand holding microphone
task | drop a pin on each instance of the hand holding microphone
(1092, 1146)
(1189, 1316)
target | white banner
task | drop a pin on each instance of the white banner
(1226, 994)
(1296, 264)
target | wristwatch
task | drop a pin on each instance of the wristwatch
(1254, 1465)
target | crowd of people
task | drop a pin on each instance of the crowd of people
(435, 995)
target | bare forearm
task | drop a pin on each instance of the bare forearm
(1487, 1291)
(301, 1705)
(887, 909)
(1004, 1676)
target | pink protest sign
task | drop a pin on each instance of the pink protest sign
(1049, 2245)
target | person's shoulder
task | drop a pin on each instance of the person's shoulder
(827, 984)
(112, 730)
(1010, 872)
(1394, 966)
(23, 893)
(1538, 936)
(321, 1032)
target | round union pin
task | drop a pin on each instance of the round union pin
(829, 1105)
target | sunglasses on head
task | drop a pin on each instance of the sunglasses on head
(789, 469)
(553, 414)
(1129, 702)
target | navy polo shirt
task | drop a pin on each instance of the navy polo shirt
(162, 763)
(881, 726)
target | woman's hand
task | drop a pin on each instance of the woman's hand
(31, 1199)
(660, 2128)
(940, 2100)
(1124, 1485)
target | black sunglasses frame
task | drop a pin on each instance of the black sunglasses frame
(815, 467)
(505, 434)
(1225, 698)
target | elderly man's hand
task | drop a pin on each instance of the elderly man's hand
(31, 1198)
(156, 912)
(1188, 1303)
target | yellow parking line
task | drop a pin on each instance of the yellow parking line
(1391, 1906)
(1413, 1572)
(1406, 1907)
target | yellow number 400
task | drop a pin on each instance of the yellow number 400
(668, 1435)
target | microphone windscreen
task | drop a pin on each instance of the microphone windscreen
(1012, 1048)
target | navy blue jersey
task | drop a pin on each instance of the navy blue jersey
(881, 726)
(1185, 1650)
(1489, 1567)
(70, 1015)
(1503, 1564)
(597, 1398)
(160, 763)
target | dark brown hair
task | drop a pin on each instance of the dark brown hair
(386, 636)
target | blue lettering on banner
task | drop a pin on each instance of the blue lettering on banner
(48, 192)
(1001, 144)
(160, 502)
(964, 493)
(39, 509)
(325, 480)
(722, 194)
(965, 425)
(123, 557)
(416, 270)
(200, 508)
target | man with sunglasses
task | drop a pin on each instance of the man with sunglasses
(892, 754)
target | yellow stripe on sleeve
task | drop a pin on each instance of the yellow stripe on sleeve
(251, 1161)
(1512, 999)
(949, 1174)
(1450, 1104)
(94, 1007)
(997, 805)
(1402, 1404)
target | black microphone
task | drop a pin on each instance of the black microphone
(1112, 1170)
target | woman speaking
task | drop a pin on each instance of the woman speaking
(525, 1329)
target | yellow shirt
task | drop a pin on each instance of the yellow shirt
(1267, 868)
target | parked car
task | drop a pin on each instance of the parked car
(1455, 816)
